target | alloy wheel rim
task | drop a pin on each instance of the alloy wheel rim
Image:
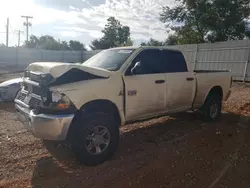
(213, 110)
(97, 140)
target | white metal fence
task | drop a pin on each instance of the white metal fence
(229, 55)
(16, 59)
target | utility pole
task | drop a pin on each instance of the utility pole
(18, 40)
(7, 33)
(27, 24)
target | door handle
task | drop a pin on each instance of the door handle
(159, 81)
(190, 79)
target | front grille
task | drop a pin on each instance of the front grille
(21, 97)
(25, 86)
(34, 102)
(31, 88)
(36, 90)
(30, 95)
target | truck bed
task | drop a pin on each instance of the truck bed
(206, 80)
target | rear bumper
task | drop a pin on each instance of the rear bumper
(49, 127)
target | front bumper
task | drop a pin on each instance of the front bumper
(48, 127)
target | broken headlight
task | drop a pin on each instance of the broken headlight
(57, 103)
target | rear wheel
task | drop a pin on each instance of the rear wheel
(95, 139)
(212, 108)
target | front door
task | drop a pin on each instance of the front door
(146, 88)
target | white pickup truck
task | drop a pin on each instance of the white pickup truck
(86, 103)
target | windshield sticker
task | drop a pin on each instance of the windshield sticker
(125, 51)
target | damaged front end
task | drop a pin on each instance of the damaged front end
(36, 95)
(47, 114)
(44, 111)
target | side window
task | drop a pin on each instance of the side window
(150, 62)
(174, 61)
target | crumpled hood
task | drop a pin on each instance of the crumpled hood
(56, 69)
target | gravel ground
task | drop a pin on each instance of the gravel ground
(168, 152)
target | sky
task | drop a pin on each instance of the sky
(82, 20)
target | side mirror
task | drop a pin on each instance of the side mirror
(136, 67)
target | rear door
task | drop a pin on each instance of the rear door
(180, 83)
(146, 89)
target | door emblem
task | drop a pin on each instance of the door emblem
(132, 92)
(120, 93)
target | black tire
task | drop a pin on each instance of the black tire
(211, 109)
(81, 132)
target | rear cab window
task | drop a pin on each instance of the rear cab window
(174, 61)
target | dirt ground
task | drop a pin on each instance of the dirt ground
(168, 152)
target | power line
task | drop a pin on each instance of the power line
(10, 32)
(27, 24)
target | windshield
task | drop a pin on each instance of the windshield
(111, 60)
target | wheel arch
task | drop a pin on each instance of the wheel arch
(96, 106)
(205, 108)
(214, 90)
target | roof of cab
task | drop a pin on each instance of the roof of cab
(145, 47)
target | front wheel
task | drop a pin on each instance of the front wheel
(95, 139)
(212, 108)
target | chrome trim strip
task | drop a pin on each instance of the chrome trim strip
(21, 103)
(31, 82)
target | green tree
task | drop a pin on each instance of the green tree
(99, 44)
(248, 31)
(207, 20)
(48, 42)
(152, 42)
(129, 42)
(114, 35)
(65, 46)
(32, 43)
(143, 44)
(172, 40)
(76, 45)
